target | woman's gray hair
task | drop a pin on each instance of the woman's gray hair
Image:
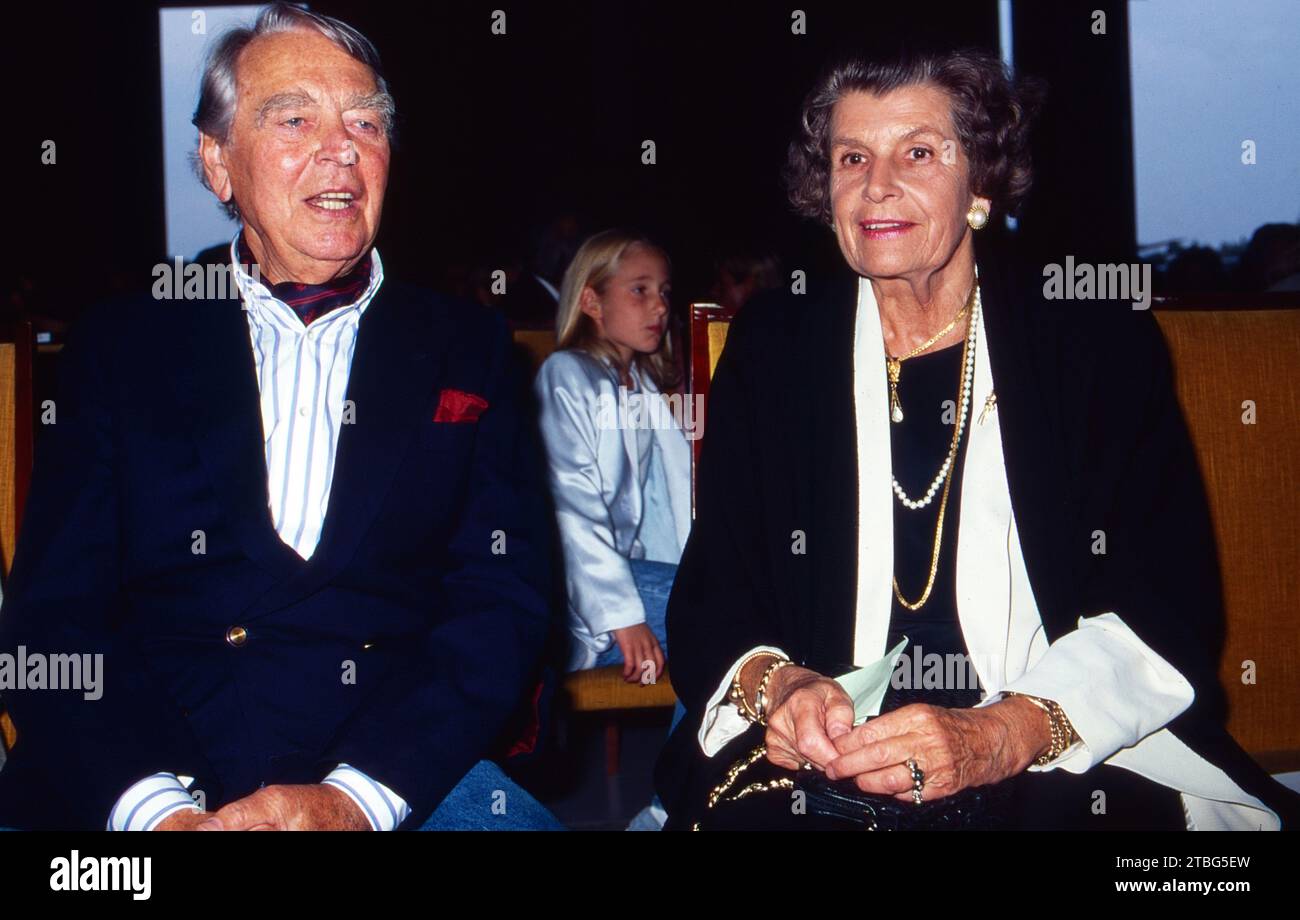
(991, 110)
(217, 91)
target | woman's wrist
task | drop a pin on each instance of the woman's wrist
(1031, 724)
(782, 682)
(757, 684)
(751, 673)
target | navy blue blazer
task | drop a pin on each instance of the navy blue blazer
(158, 434)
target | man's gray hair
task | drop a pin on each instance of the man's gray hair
(217, 92)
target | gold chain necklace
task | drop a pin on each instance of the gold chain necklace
(943, 503)
(894, 365)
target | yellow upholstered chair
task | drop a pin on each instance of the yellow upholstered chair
(1228, 363)
(537, 344)
(15, 455)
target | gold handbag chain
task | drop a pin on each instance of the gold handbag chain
(719, 792)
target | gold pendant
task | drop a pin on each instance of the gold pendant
(894, 368)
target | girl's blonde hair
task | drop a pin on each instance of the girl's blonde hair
(594, 266)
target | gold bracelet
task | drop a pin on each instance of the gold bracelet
(1058, 724)
(737, 694)
(760, 695)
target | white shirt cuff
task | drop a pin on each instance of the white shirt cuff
(1114, 689)
(383, 807)
(722, 719)
(147, 803)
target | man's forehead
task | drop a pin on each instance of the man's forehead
(300, 62)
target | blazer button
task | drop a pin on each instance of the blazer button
(236, 636)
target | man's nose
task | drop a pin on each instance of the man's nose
(337, 146)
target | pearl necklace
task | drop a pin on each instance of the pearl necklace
(968, 378)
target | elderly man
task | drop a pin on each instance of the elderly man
(302, 524)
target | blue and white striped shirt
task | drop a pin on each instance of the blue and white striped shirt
(302, 378)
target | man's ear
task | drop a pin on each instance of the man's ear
(214, 167)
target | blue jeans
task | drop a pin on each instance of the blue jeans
(654, 582)
(487, 800)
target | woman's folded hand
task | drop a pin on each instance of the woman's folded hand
(806, 713)
(954, 748)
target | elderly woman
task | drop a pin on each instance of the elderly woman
(921, 449)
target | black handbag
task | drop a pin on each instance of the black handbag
(758, 795)
(976, 808)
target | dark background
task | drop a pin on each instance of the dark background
(499, 133)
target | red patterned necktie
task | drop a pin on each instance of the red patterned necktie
(312, 301)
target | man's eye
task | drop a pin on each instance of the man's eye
(296, 121)
(367, 125)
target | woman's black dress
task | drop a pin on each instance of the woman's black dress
(1055, 799)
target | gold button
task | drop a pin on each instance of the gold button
(236, 636)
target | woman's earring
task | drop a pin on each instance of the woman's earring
(977, 217)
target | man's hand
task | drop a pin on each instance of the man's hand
(639, 645)
(184, 820)
(289, 808)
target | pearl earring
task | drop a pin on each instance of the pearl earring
(977, 217)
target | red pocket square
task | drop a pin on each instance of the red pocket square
(459, 406)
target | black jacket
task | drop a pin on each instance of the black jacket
(1093, 438)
